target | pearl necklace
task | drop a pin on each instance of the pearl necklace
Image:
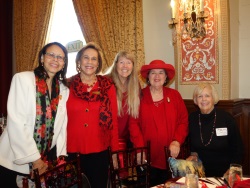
(211, 133)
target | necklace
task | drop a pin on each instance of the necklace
(211, 133)
(89, 85)
(158, 103)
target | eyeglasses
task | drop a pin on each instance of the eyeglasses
(53, 56)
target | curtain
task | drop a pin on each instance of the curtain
(6, 10)
(31, 20)
(114, 25)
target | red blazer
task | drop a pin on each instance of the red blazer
(84, 133)
(161, 130)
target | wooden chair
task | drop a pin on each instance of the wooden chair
(62, 176)
(130, 172)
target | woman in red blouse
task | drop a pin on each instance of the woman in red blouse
(124, 75)
(92, 116)
(163, 117)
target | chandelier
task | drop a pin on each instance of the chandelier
(193, 19)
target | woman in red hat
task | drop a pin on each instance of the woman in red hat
(163, 117)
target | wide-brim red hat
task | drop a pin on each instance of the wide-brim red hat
(158, 64)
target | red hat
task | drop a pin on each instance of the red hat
(158, 64)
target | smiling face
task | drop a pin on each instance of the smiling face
(124, 68)
(53, 60)
(89, 62)
(205, 101)
(157, 77)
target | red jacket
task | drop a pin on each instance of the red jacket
(162, 129)
(84, 133)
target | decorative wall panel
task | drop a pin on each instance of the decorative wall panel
(198, 58)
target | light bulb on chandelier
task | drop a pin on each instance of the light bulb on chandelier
(193, 20)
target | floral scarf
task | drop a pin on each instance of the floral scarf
(46, 109)
(99, 94)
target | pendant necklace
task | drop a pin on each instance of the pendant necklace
(211, 133)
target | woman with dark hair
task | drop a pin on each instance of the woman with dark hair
(92, 113)
(37, 117)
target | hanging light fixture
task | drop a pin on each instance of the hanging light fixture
(193, 19)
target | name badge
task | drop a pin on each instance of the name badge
(221, 132)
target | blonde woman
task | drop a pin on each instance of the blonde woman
(214, 134)
(125, 77)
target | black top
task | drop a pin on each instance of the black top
(226, 145)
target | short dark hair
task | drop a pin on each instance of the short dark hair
(165, 83)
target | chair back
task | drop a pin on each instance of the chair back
(132, 170)
(62, 176)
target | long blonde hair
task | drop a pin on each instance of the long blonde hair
(132, 85)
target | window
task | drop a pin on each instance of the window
(65, 29)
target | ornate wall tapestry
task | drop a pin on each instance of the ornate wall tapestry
(198, 58)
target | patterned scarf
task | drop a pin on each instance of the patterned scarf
(99, 94)
(46, 109)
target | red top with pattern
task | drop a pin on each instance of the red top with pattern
(84, 133)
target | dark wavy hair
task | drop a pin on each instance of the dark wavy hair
(41, 72)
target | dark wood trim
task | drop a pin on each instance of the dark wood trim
(240, 110)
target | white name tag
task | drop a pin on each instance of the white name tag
(221, 132)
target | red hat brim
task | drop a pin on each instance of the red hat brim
(158, 64)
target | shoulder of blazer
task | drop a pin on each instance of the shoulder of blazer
(28, 77)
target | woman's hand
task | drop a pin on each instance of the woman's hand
(40, 165)
(174, 148)
(61, 160)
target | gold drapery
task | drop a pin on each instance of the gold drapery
(114, 25)
(31, 20)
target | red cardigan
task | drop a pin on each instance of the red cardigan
(162, 130)
(84, 133)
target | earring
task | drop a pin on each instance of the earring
(60, 77)
(78, 68)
